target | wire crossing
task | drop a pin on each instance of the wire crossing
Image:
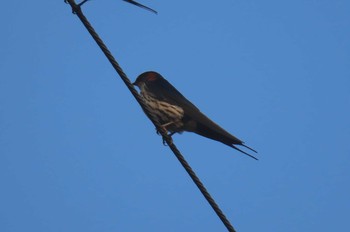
(77, 10)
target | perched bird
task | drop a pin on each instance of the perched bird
(177, 114)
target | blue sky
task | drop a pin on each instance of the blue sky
(78, 154)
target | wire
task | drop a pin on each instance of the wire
(77, 10)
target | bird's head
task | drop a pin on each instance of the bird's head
(145, 78)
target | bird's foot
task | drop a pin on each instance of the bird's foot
(165, 142)
(165, 131)
(163, 128)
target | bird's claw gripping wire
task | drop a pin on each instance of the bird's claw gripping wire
(165, 142)
(165, 131)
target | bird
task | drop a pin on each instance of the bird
(176, 114)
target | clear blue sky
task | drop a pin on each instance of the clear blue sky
(78, 154)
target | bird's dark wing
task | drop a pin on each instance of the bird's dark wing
(164, 91)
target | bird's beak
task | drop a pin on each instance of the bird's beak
(134, 83)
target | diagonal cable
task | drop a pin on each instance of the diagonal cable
(77, 10)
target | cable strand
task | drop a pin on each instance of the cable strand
(77, 10)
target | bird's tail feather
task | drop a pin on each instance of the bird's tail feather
(244, 151)
(249, 148)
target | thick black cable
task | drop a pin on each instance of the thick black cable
(77, 10)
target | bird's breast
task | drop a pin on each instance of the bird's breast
(165, 113)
